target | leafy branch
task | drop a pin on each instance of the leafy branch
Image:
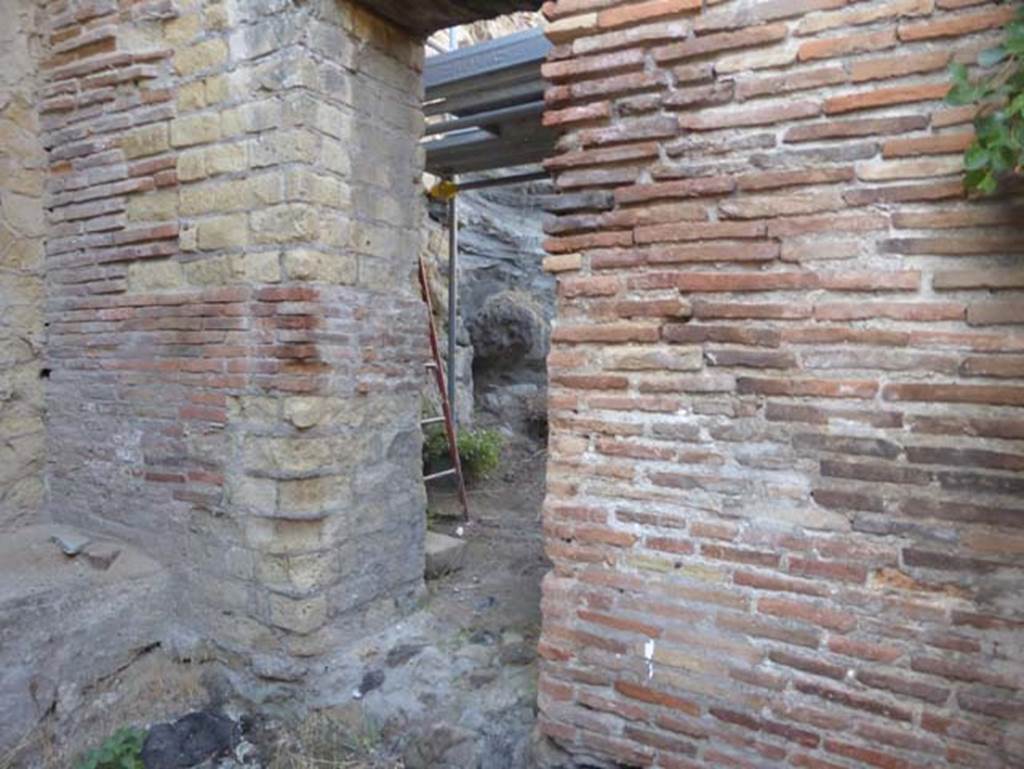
(998, 146)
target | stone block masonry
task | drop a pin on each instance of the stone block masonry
(234, 329)
(785, 483)
(22, 174)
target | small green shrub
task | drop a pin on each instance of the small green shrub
(998, 146)
(122, 750)
(435, 446)
(479, 450)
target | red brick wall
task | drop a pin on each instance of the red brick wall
(785, 503)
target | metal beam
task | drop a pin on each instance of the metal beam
(484, 95)
(503, 181)
(490, 117)
(475, 140)
(490, 155)
(441, 73)
(495, 86)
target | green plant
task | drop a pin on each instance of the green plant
(122, 750)
(998, 147)
(479, 450)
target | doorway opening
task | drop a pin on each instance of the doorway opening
(484, 249)
(455, 684)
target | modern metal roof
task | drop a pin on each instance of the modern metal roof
(488, 100)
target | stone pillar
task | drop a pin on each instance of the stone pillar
(22, 173)
(785, 481)
(236, 336)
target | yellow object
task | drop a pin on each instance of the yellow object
(444, 190)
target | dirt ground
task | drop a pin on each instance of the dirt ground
(453, 686)
(499, 586)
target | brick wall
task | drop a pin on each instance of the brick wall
(235, 332)
(784, 493)
(22, 172)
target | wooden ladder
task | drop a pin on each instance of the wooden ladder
(446, 407)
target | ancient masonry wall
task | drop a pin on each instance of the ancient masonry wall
(235, 334)
(22, 173)
(784, 493)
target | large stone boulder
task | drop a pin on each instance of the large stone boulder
(506, 329)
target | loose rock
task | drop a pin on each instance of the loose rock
(189, 741)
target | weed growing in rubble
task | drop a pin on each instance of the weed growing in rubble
(122, 750)
(327, 741)
(480, 451)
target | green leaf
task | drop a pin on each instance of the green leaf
(1003, 159)
(973, 179)
(988, 184)
(976, 157)
(1014, 42)
(1017, 136)
(960, 95)
(998, 93)
(1016, 106)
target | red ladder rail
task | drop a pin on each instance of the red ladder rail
(446, 408)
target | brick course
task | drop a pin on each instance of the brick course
(784, 503)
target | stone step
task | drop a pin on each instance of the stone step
(444, 554)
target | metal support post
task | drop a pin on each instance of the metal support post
(453, 295)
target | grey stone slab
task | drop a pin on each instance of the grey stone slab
(444, 554)
(68, 622)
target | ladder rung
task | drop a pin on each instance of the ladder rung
(431, 421)
(442, 474)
